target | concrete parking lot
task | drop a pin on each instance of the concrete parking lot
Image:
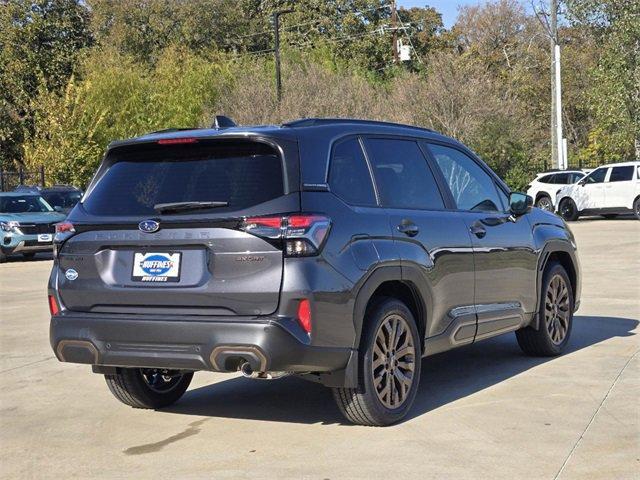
(484, 411)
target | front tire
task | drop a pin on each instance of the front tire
(389, 367)
(555, 316)
(636, 207)
(148, 387)
(568, 210)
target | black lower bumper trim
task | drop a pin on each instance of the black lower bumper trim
(120, 341)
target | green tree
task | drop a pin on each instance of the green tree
(39, 45)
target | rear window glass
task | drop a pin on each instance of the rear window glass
(243, 174)
(349, 175)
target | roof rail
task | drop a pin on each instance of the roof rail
(313, 122)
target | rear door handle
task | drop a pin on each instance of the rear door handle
(478, 230)
(409, 228)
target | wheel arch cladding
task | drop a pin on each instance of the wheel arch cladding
(386, 285)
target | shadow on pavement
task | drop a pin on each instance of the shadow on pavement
(446, 377)
(18, 257)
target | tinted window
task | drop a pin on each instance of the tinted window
(403, 177)
(597, 176)
(62, 199)
(23, 204)
(575, 177)
(622, 174)
(349, 175)
(561, 178)
(546, 179)
(240, 173)
(472, 188)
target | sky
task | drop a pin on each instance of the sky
(448, 8)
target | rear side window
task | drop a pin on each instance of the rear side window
(349, 176)
(561, 178)
(621, 174)
(402, 175)
(547, 179)
(243, 174)
(472, 188)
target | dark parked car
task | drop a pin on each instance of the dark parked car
(61, 197)
(341, 251)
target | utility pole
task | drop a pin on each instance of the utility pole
(553, 37)
(394, 28)
(558, 156)
(276, 36)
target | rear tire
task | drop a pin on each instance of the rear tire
(389, 367)
(555, 316)
(147, 387)
(636, 207)
(545, 203)
(568, 210)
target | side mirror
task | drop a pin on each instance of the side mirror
(520, 203)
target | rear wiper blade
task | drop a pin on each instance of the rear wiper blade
(184, 206)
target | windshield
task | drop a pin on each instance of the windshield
(240, 174)
(63, 199)
(24, 204)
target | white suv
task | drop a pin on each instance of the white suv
(545, 186)
(609, 191)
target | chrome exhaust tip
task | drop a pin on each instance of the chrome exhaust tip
(248, 372)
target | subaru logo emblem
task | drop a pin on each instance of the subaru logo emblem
(71, 274)
(149, 226)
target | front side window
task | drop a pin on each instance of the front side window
(349, 176)
(402, 175)
(621, 174)
(597, 176)
(472, 188)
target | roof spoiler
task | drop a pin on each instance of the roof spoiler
(220, 122)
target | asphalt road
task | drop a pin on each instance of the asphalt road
(483, 411)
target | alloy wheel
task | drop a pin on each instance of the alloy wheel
(567, 210)
(160, 380)
(394, 357)
(557, 309)
(545, 204)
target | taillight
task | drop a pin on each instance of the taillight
(64, 230)
(304, 315)
(53, 305)
(177, 141)
(303, 235)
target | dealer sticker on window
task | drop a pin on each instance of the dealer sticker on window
(156, 267)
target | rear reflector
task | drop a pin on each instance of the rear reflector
(53, 305)
(304, 315)
(177, 141)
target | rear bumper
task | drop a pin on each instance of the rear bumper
(273, 344)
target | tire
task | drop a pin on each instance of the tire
(372, 403)
(134, 387)
(544, 203)
(554, 327)
(568, 210)
(609, 216)
(636, 207)
(29, 256)
(3, 257)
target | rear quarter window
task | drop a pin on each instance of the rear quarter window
(243, 174)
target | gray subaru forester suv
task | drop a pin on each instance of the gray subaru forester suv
(340, 251)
